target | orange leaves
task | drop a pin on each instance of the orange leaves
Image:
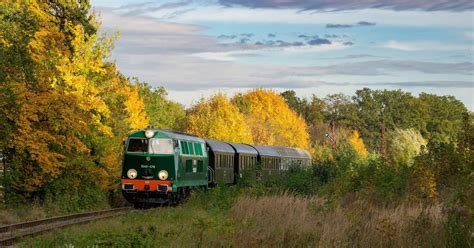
(218, 119)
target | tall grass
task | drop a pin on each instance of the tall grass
(243, 217)
(287, 220)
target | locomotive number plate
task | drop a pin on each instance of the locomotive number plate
(147, 166)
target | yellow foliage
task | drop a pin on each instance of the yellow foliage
(272, 122)
(217, 118)
(135, 108)
(358, 144)
(66, 100)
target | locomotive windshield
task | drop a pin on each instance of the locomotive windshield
(137, 145)
(161, 146)
(152, 146)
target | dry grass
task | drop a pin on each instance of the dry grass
(293, 221)
(11, 216)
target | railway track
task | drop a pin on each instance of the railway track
(10, 234)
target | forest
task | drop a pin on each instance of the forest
(65, 110)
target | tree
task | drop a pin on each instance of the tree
(271, 120)
(339, 112)
(442, 117)
(381, 111)
(162, 112)
(294, 102)
(66, 108)
(217, 118)
(405, 145)
(358, 144)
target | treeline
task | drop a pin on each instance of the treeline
(391, 144)
(377, 113)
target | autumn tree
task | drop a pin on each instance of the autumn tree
(271, 120)
(358, 144)
(60, 97)
(217, 118)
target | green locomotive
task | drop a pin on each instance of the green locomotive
(163, 166)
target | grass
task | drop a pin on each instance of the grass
(226, 217)
(33, 211)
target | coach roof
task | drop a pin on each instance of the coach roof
(242, 148)
(219, 146)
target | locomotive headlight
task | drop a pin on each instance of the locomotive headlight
(163, 175)
(149, 133)
(132, 173)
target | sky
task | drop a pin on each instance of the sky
(196, 48)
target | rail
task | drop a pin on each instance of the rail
(10, 234)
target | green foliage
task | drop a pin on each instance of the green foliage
(340, 111)
(70, 195)
(380, 111)
(441, 117)
(217, 199)
(405, 145)
(162, 112)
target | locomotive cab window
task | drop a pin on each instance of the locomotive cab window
(161, 146)
(137, 145)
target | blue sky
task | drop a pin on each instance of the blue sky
(195, 48)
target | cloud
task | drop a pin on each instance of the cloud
(228, 37)
(330, 25)
(431, 5)
(248, 35)
(364, 23)
(412, 18)
(318, 41)
(424, 46)
(361, 23)
(384, 67)
(143, 8)
(180, 57)
(244, 40)
(305, 36)
(436, 84)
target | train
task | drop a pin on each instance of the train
(164, 166)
